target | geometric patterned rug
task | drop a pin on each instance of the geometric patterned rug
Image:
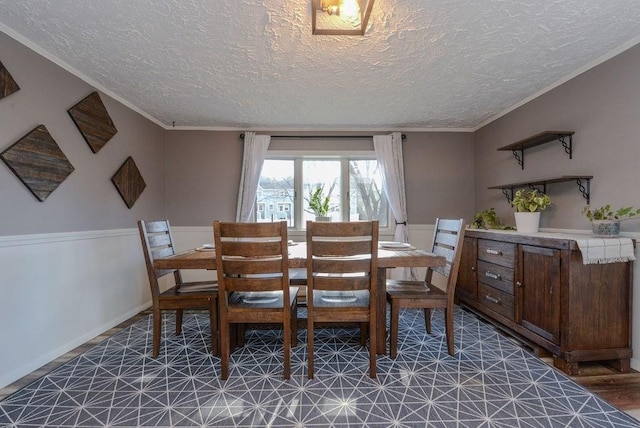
(491, 382)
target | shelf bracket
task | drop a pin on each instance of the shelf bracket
(508, 193)
(519, 155)
(568, 146)
(584, 189)
(532, 186)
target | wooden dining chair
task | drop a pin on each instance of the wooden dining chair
(157, 242)
(342, 266)
(253, 277)
(447, 241)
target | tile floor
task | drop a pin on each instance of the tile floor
(491, 382)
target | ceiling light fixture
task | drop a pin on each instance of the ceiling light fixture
(340, 17)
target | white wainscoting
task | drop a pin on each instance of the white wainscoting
(60, 290)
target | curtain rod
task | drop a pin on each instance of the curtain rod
(404, 137)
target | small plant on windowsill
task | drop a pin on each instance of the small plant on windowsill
(319, 203)
(606, 221)
(528, 204)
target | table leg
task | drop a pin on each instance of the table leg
(381, 321)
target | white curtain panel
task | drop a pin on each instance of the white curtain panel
(255, 150)
(388, 150)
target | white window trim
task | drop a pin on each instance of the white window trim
(299, 230)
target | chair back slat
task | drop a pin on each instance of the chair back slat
(249, 231)
(345, 265)
(255, 284)
(157, 226)
(163, 239)
(254, 247)
(341, 283)
(342, 229)
(247, 266)
(450, 225)
(341, 248)
(446, 239)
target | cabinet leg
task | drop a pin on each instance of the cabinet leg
(569, 368)
(541, 352)
(622, 365)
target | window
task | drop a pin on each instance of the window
(352, 183)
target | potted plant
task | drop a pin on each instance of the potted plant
(605, 221)
(488, 219)
(528, 204)
(319, 203)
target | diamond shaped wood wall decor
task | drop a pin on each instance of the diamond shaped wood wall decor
(93, 121)
(7, 85)
(36, 159)
(129, 182)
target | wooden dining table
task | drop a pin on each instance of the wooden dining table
(387, 259)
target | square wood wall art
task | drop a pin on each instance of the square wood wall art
(36, 159)
(129, 182)
(7, 85)
(92, 119)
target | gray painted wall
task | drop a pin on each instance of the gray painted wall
(87, 199)
(203, 173)
(602, 106)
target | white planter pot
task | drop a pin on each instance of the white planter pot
(605, 227)
(322, 218)
(527, 222)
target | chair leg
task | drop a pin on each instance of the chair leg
(294, 325)
(393, 336)
(178, 322)
(157, 331)
(364, 328)
(213, 323)
(373, 348)
(241, 330)
(224, 349)
(309, 346)
(286, 351)
(427, 319)
(448, 314)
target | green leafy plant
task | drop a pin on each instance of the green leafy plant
(318, 201)
(488, 219)
(530, 201)
(605, 212)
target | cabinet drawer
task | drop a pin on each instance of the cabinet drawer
(501, 253)
(496, 301)
(497, 276)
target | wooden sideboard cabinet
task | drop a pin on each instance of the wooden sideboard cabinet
(536, 288)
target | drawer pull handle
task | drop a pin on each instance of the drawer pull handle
(494, 252)
(492, 299)
(493, 275)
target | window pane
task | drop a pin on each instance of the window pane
(323, 174)
(366, 198)
(275, 198)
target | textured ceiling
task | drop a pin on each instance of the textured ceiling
(251, 64)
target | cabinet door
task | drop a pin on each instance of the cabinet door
(539, 291)
(466, 288)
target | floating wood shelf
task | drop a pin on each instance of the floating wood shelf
(518, 148)
(583, 182)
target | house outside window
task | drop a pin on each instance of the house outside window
(352, 182)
